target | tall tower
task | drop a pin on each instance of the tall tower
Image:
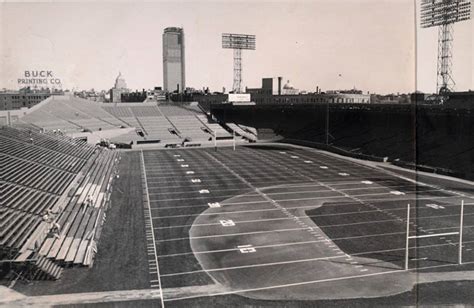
(174, 78)
(237, 42)
(443, 14)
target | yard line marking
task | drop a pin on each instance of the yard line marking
(191, 192)
(417, 259)
(340, 189)
(435, 206)
(287, 285)
(246, 248)
(303, 260)
(397, 193)
(200, 205)
(227, 222)
(320, 240)
(152, 230)
(225, 235)
(286, 185)
(190, 198)
(297, 218)
(184, 181)
(211, 205)
(254, 177)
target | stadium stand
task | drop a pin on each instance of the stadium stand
(118, 111)
(242, 132)
(187, 124)
(158, 128)
(48, 121)
(39, 171)
(71, 114)
(77, 241)
(213, 127)
(148, 119)
(164, 124)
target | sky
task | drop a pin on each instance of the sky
(333, 44)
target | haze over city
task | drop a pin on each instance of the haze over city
(372, 47)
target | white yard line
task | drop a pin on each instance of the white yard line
(152, 230)
(328, 258)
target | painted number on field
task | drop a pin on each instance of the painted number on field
(227, 222)
(189, 172)
(435, 206)
(180, 159)
(204, 191)
(184, 166)
(308, 161)
(367, 182)
(177, 155)
(294, 156)
(214, 204)
(397, 193)
(196, 180)
(246, 249)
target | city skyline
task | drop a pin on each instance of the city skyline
(367, 44)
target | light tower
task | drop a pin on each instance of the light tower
(237, 42)
(443, 14)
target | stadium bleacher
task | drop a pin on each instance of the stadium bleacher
(39, 171)
(240, 131)
(213, 127)
(71, 114)
(79, 222)
(187, 124)
(162, 124)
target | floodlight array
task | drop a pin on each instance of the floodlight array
(238, 41)
(443, 12)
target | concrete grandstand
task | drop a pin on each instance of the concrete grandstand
(131, 123)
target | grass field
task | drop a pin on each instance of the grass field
(276, 226)
(291, 221)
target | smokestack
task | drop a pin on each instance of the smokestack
(279, 85)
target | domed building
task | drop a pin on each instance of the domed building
(120, 82)
(119, 88)
(288, 89)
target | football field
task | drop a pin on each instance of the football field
(288, 223)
